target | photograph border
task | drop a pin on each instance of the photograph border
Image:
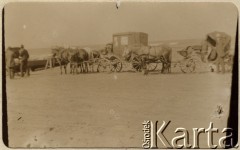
(234, 89)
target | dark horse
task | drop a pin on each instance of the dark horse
(83, 58)
(93, 56)
(62, 57)
(78, 58)
(73, 60)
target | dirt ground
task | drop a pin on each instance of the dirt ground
(107, 109)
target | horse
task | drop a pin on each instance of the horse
(151, 54)
(83, 58)
(92, 56)
(62, 56)
(73, 60)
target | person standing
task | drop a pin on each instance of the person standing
(24, 55)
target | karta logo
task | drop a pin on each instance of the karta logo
(153, 134)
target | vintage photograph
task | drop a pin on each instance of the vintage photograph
(125, 75)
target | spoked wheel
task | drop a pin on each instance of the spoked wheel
(103, 65)
(187, 65)
(137, 63)
(116, 64)
(152, 66)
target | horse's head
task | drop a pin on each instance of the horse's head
(72, 56)
(104, 51)
(56, 51)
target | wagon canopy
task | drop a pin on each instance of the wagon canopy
(212, 38)
(130, 39)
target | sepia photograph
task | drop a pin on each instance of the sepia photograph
(120, 75)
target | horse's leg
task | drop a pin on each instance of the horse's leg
(65, 68)
(169, 69)
(77, 68)
(92, 67)
(87, 65)
(71, 66)
(60, 66)
(81, 67)
(163, 67)
(73, 69)
(166, 68)
(84, 67)
(21, 69)
(80, 70)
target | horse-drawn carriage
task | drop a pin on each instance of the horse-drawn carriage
(214, 50)
(132, 48)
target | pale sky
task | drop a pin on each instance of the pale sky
(42, 25)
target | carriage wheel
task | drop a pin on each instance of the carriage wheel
(103, 65)
(152, 66)
(116, 66)
(187, 65)
(137, 63)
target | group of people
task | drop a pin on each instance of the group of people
(17, 61)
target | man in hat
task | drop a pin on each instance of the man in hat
(24, 60)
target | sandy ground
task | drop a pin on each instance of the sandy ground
(107, 109)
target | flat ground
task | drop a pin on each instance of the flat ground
(107, 109)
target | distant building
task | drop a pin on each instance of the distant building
(120, 40)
